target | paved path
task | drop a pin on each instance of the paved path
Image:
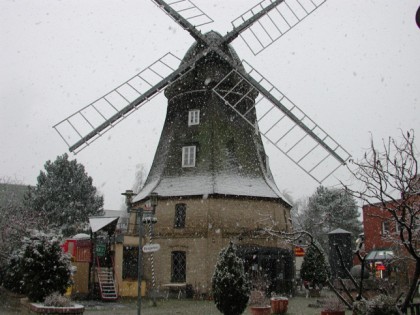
(297, 306)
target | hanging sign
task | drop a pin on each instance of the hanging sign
(299, 251)
(150, 248)
(100, 250)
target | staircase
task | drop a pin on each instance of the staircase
(106, 281)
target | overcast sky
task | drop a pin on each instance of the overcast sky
(352, 66)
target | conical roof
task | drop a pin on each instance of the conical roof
(230, 156)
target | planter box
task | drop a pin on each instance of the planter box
(279, 305)
(260, 310)
(38, 308)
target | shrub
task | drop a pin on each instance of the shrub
(379, 305)
(40, 266)
(58, 300)
(13, 277)
(230, 284)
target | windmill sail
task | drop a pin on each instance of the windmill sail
(274, 24)
(283, 124)
(277, 118)
(87, 124)
(189, 11)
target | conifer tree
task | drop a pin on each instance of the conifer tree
(328, 209)
(230, 284)
(315, 268)
(39, 268)
(65, 196)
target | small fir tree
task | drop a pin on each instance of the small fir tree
(230, 285)
(42, 266)
(315, 268)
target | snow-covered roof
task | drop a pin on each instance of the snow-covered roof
(98, 223)
(339, 231)
(81, 236)
(234, 185)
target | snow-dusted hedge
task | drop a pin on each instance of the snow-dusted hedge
(379, 305)
(39, 268)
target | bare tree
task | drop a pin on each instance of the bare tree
(140, 178)
(388, 179)
(15, 219)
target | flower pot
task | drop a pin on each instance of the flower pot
(333, 312)
(279, 304)
(260, 310)
(38, 308)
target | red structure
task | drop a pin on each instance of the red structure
(79, 249)
(382, 240)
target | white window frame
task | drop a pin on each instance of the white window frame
(188, 156)
(385, 227)
(193, 117)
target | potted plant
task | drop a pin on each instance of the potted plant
(259, 303)
(56, 303)
(262, 306)
(333, 306)
(279, 304)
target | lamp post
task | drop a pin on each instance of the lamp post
(140, 211)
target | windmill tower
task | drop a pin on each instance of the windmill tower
(210, 168)
(212, 176)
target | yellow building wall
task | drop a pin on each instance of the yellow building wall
(81, 278)
(209, 226)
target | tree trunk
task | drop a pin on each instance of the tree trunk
(413, 287)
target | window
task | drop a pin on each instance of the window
(179, 267)
(193, 117)
(129, 267)
(188, 156)
(180, 213)
(385, 227)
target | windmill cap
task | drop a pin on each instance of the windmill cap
(208, 70)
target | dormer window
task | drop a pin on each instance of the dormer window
(193, 117)
(188, 156)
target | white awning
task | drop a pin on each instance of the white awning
(98, 223)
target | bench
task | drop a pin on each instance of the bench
(175, 287)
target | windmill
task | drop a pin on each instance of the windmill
(280, 121)
(210, 157)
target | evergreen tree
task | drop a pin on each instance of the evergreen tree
(315, 268)
(65, 196)
(328, 209)
(13, 278)
(230, 285)
(39, 268)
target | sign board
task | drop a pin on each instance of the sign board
(150, 248)
(299, 251)
(100, 250)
